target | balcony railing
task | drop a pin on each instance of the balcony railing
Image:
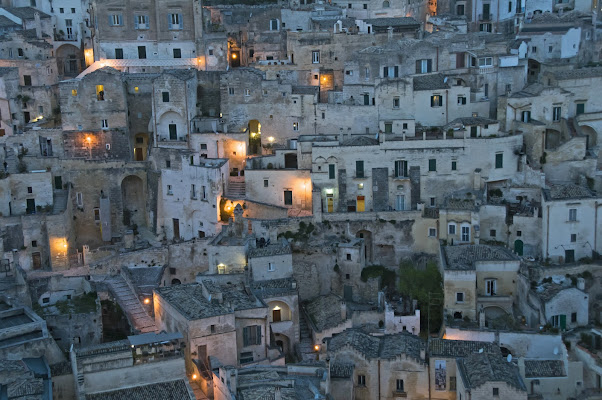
(485, 17)
(58, 37)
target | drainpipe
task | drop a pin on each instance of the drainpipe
(379, 379)
(437, 60)
(548, 233)
(446, 107)
(596, 226)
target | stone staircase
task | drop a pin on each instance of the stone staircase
(60, 198)
(236, 187)
(305, 349)
(140, 321)
(10, 157)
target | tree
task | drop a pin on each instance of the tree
(424, 285)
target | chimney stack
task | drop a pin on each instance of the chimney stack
(36, 16)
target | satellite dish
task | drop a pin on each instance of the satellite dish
(509, 358)
(480, 351)
(555, 351)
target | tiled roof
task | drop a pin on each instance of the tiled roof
(270, 250)
(480, 368)
(189, 301)
(464, 257)
(5, 22)
(119, 345)
(384, 347)
(460, 204)
(25, 12)
(469, 121)
(173, 390)
(341, 370)
(548, 291)
(325, 311)
(274, 287)
(430, 82)
(544, 368)
(460, 348)
(567, 192)
(386, 22)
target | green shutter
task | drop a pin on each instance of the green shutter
(331, 171)
(396, 168)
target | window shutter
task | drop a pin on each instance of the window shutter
(181, 21)
(120, 19)
(136, 21)
(405, 168)
(432, 101)
(396, 168)
(385, 72)
(110, 20)
(440, 101)
(396, 71)
(418, 69)
(146, 21)
(258, 334)
(429, 65)
(245, 336)
(169, 21)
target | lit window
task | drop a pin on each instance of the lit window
(295, 126)
(74, 92)
(100, 93)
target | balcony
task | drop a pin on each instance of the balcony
(485, 17)
(62, 37)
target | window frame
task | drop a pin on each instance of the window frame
(315, 56)
(175, 21)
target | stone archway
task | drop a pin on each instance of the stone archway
(496, 317)
(591, 134)
(69, 59)
(133, 201)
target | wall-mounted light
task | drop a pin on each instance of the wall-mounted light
(329, 191)
(271, 139)
(234, 56)
(147, 301)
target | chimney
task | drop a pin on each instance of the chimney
(581, 284)
(343, 311)
(390, 33)
(36, 16)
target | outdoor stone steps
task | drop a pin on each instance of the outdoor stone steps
(137, 315)
(59, 201)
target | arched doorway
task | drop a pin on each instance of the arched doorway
(367, 236)
(254, 131)
(175, 282)
(497, 318)
(283, 342)
(69, 60)
(591, 134)
(133, 201)
(140, 146)
(518, 247)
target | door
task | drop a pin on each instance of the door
(330, 203)
(348, 293)
(563, 322)
(31, 206)
(367, 99)
(486, 8)
(276, 316)
(518, 247)
(173, 132)
(400, 202)
(202, 353)
(138, 154)
(36, 259)
(176, 228)
(58, 182)
(141, 52)
(360, 204)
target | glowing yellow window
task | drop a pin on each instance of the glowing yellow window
(74, 92)
(100, 92)
(360, 204)
(136, 89)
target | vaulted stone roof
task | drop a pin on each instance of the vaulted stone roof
(460, 348)
(480, 368)
(544, 368)
(383, 347)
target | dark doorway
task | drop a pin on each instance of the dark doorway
(348, 293)
(141, 52)
(518, 247)
(202, 353)
(31, 206)
(58, 182)
(569, 256)
(235, 59)
(176, 228)
(36, 259)
(175, 282)
(290, 160)
(138, 156)
(276, 316)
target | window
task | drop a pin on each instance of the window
(167, 164)
(73, 92)
(572, 214)
(432, 165)
(485, 27)
(433, 201)
(348, 257)
(177, 53)
(573, 237)
(580, 108)
(203, 193)
(169, 190)
(62, 10)
(73, 11)
(550, 49)
(273, 24)
(210, 52)
(361, 380)
(359, 169)
(574, 317)
(247, 92)
(295, 126)
(399, 385)
(388, 127)
(465, 230)
(460, 9)
(526, 116)
(459, 297)
(266, 183)
(485, 62)
(509, 6)
(165, 97)
(331, 171)
(315, 57)
(79, 198)
(115, 20)
(175, 21)
(519, 233)
(34, 243)
(436, 100)
(396, 102)
(365, 6)
(401, 169)
(461, 100)
(141, 21)
(271, 267)
(26, 80)
(105, 123)
(97, 215)
(391, 72)
(404, 125)
(251, 335)
(451, 229)
(424, 66)
(212, 328)
(46, 300)
(20, 52)
(496, 391)
(452, 384)
(432, 232)
(288, 197)
(119, 54)
(569, 256)
(231, 91)
(454, 166)
(193, 189)
(490, 287)
(499, 160)
(100, 93)
(556, 113)
(246, 357)
(533, 49)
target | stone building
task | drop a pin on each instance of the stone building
(362, 366)
(479, 282)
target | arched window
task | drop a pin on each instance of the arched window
(386, 4)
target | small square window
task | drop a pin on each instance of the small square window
(46, 300)
(492, 232)
(29, 189)
(460, 297)
(432, 232)
(34, 243)
(404, 125)
(519, 233)
(496, 391)
(266, 183)
(361, 379)
(573, 237)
